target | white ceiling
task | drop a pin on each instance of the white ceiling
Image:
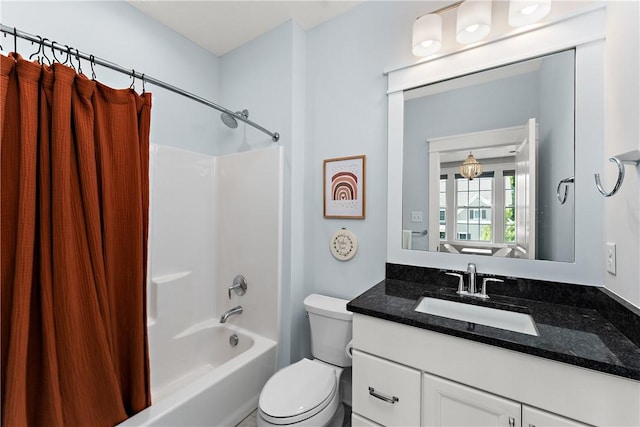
(221, 26)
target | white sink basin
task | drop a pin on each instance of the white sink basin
(496, 318)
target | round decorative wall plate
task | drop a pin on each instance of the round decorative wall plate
(343, 245)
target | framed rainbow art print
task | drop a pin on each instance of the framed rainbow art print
(344, 189)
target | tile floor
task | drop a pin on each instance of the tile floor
(250, 420)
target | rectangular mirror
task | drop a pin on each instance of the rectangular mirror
(518, 201)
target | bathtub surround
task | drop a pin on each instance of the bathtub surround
(248, 236)
(212, 219)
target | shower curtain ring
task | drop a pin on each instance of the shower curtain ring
(133, 82)
(44, 52)
(79, 63)
(143, 82)
(53, 52)
(69, 58)
(91, 62)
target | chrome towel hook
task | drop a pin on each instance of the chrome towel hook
(630, 158)
(566, 182)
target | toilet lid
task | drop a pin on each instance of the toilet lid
(305, 387)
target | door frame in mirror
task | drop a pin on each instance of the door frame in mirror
(583, 32)
(474, 141)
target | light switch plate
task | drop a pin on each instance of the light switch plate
(611, 258)
(416, 216)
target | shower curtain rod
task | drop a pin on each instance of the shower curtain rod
(12, 31)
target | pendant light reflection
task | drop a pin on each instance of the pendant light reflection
(427, 35)
(470, 168)
(473, 21)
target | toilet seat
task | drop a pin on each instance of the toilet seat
(298, 392)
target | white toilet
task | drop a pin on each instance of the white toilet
(308, 393)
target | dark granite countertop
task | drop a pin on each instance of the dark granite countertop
(585, 329)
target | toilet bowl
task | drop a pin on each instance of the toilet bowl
(308, 392)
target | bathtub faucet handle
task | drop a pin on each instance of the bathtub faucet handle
(239, 286)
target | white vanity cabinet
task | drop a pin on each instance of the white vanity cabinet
(447, 403)
(442, 380)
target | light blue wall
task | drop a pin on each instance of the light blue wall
(347, 115)
(119, 33)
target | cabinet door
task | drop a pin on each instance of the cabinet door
(532, 417)
(385, 392)
(446, 403)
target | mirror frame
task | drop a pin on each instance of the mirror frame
(584, 32)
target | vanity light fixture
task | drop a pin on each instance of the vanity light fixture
(427, 34)
(525, 12)
(473, 21)
(470, 168)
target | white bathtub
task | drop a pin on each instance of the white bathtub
(206, 381)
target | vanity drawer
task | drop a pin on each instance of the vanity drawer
(385, 392)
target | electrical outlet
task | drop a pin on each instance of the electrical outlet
(416, 216)
(611, 258)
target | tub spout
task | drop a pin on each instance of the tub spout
(229, 313)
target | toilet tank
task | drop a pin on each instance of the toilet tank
(330, 328)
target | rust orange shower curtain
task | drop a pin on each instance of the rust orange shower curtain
(74, 189)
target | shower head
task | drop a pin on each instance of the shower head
(230, 121)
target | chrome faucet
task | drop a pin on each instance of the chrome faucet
(471, 283)
(471, 270)
(229, 313)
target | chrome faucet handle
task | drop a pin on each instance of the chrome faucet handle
(472, 271)
(460, 277)
(239, 286)
(485, 280)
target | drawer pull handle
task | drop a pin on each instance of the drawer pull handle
(377, 395)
